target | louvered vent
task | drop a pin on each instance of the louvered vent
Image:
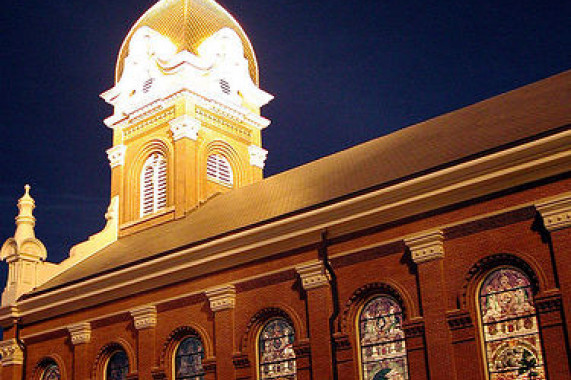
(225, 86)
(147, 85)
(153, 185)
(218, 168)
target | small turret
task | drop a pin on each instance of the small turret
(24, 253)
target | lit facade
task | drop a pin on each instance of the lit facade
(436, 252)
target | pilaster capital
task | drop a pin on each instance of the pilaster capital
(116, 155)
(313, 275)
(12, 353)
(185, 127)
(145, 317)
(427, 246)
(80, 333)
(222, 297)
(556, 212)
(257, 156)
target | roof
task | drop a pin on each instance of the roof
(519, 116)
(187, 23)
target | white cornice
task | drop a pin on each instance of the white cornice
(222, 297)
(556, 212)
(257, 156)
(185, 127)
(145, 317)
(426, 246)
(506, 169)
(116, 155)
(313, 275)
(80, 333)
(11, 352)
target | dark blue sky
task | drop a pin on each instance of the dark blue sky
(342, 72)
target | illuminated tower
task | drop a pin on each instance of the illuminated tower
(186, 123)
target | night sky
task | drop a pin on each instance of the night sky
(342, 72)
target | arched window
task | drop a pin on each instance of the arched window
(50, 372)
(188, 360)
(153, 184)
(218, 168)
(276, 356)
(117, 366)
(381, 340)
(509, 326)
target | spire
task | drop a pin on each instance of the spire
(25, 221)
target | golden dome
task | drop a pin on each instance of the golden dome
(187, 23)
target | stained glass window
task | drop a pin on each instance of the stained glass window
(509, 322)
(188, 360)
(51, 372)
(117, 366)
(276, 355)
(381, 338)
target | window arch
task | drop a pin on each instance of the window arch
(218, 169)
(381, 340)
(153, 184)
(117, 366)
(50, 371)
(276, 358)
(188, 360)
(508, 321)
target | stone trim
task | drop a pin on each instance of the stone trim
(313, 275)
(427, 246)
(116, 155)
(145, 317)
(556, 213)
(222, 297)
(80, 333)
(257, 156)
(12, 353)
(185, 127)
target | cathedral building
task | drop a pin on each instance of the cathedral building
(440, 251)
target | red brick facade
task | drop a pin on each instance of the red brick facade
(438, 298)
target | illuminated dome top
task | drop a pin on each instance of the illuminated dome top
(187, 23)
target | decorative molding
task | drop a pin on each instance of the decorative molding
(459, 320)
(313, 275)
(342, 342)
(209, 365)
(221, 298)
(158, 374)
(80, 333)
(116, 155)
(185, 127)
(12, 353)
(427, 246)
(556, 213)
(240, 360)
(257, 156)
(413, 328)
(145, 317)
(549, 303)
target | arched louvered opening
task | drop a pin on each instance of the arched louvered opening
(218, 169)
(508, 321)
(153, 184)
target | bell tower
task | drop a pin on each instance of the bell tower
(186, 122)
